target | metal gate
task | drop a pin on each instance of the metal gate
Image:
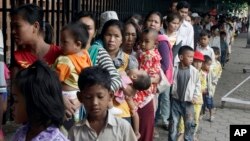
(60, 12)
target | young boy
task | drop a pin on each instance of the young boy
(207, 94)
(224, 48)
(197, 63)
(95, 93)
(204, 47)
(185, 91)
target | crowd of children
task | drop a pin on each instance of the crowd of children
(119, 84)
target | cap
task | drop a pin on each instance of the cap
(106, 16)
(198, 56)
(195, 15)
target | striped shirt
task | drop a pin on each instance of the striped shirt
(105, 61)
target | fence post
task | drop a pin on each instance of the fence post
(76, 6)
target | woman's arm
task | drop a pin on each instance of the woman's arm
(104, 60)
(163, 49)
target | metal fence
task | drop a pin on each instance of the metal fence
(60, 12)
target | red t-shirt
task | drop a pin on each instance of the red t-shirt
(24, 58)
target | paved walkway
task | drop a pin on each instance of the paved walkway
(232, 113)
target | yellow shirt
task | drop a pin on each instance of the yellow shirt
(203, 86)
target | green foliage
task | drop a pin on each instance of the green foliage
(232, 5)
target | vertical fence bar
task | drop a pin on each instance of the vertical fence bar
(52, 22)
(94, 6)
(4, 28)
(12, 44)
(87, 5)
(41, 4)
(63, 12)
(35, 2)
(47, 11)
(57, 21)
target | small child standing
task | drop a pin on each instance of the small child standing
(204, 47)
(185, 92)
(216, 69)
(224, 48)
(74, 38)
(197, 63)
(95, 93)
(207, 94)
(38, 104)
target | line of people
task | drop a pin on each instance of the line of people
(117, 83)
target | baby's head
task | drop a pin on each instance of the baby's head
(74, 37)
(148, 39)
(95, 91)
(141, 80)
(38, 96)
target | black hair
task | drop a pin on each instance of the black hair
(96, 75)
(137, 17)
(83, 14)
(172, 2)
(204, 33)
(184, 49)
(30, 13)
(170, 18)
(143, 82)
(183, 4)
(150, 30)
(216, 50)
(223, 33)
(79, 32)
(48, 33)
(153, 13)
(214, 27)
(136, 26)
(110, 23)
(207, 58)
(42, 92)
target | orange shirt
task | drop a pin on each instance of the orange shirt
(69, 67)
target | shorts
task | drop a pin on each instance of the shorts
(208, 101)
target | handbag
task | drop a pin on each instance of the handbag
(164, 83)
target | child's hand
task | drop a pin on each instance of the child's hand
(70, 106)
(156, 79)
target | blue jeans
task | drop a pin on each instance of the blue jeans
(186, 110)
(163, 110)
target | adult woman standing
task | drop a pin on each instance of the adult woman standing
(27, 29)
(98, 54)
(131, 37)
(154, 20)
(111, 36)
